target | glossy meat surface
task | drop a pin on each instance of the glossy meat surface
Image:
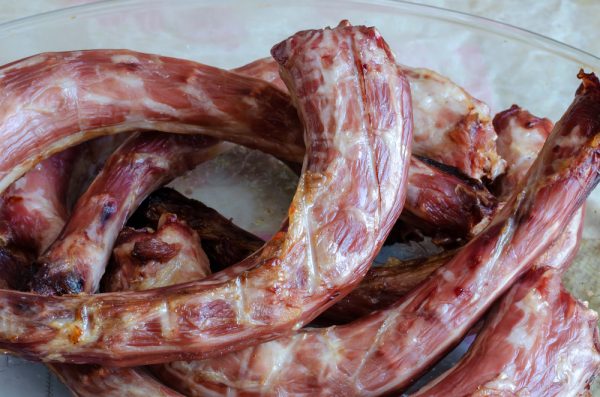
(53, 101)
(440, 202)
(387, 350)
(107, 91)
(358, 129)
(521, 135)
(539, 342)
(76, 262)
(32, 213)
(220, 238)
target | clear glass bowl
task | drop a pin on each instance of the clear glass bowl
(498, 63)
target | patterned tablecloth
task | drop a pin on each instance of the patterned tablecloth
(571, 21)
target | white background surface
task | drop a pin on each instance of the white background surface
(573, 22)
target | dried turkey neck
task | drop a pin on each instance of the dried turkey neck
(112, 91)
(224, 243)
(295, 276)
(387, 350)
(222, 239)
(53, 101)
(444, 203)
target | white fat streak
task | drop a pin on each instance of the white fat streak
(503, 382)
(448, 275)
(124, 58)
(388, 322)
(129, 80)
(90, 331)
(25, 63)
(331, 356)
(104, 100)
(8, 326)
(166, 325)
(533, 304)
(240, 306)
(311, 258)
(280, 359)
(207, 103)
(159, 107)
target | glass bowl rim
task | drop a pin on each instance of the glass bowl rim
(487, 25)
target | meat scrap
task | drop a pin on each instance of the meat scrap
(151, 259)
(224, 243)
(520, 137)
(358, 129)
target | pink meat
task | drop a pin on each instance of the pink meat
(438, 202)
(386, 351)
(144, 259)
(358, 130)
(148, 259)
(79, 95)
(53, 101)
(539, 341)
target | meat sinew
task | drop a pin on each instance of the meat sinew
(356, 111)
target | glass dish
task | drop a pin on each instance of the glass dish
(497, 63)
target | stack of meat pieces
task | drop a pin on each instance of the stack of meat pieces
(192, 304)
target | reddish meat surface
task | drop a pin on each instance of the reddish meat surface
(146, 259)
(358, 130)
(53, 101)
(450, 126)
(539, 341)
(137, 269)
(389, 349)
(224, 243)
